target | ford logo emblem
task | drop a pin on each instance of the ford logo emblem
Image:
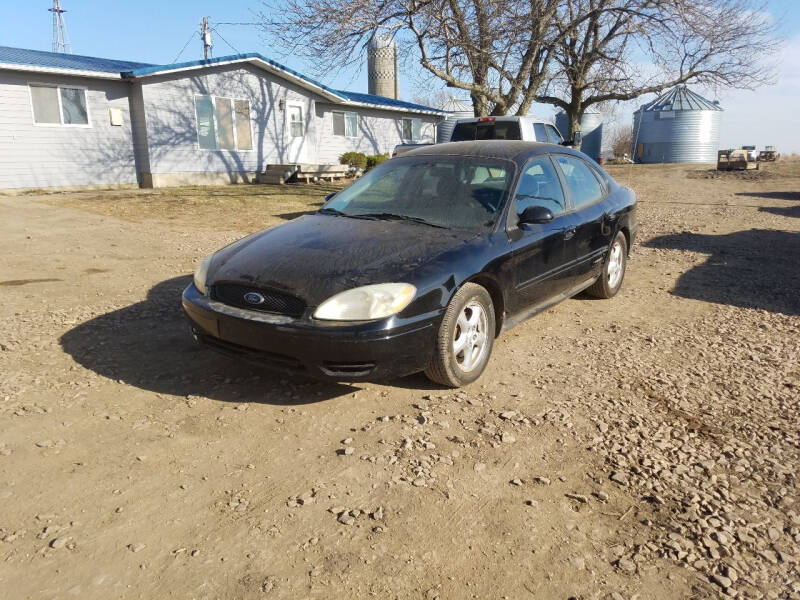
(254, 298)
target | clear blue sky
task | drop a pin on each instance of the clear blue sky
(155, 31)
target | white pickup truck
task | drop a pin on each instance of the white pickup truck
(529, 129)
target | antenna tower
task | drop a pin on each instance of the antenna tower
(60, 38)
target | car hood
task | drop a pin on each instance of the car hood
(317, 256)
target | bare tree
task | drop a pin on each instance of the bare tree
(622, 140)
(570, 53)
(498, 51)
(621, 49)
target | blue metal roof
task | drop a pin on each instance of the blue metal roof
(132, 70)
(54, 60)
(382, 100)
(344, 94)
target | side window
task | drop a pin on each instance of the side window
(581, 181)
(552, 135)
(539, 186)
(58, 105)
(539, 132)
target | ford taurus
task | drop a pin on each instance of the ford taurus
(418, 265)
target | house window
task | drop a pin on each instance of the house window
(59, 105)
(244, 136)
(296, 125)
(345, 123)
(411, 129)
(223, 123)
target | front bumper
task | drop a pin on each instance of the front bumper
(367, 351)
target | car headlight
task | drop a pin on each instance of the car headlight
(367, 302)
(200, 274)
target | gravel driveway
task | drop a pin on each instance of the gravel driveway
(643, 447)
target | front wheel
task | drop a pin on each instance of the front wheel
(610, 280)
(465, 338)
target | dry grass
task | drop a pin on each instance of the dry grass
(231, 208)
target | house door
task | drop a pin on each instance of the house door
(297, 146)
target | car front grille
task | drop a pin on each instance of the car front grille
(269, 359)
(263, 300)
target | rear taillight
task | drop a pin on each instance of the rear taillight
(485, 119)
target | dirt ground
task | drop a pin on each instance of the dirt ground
(642, 447)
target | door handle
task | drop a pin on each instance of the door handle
(569, 234)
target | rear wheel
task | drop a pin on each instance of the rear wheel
(465, 338)
(610, 280)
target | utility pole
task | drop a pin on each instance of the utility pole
(60, 38)
(205, 35)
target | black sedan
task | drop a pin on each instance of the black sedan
(418, 265)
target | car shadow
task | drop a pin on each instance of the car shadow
(756, 268)
(148, 345)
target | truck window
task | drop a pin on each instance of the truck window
(486, 130)
(552, 135)
(539, 132)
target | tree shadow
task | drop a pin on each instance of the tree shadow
(772, 195)
(148, 345)
(783, 211)
(756, 268)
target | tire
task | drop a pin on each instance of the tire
(609, 282)
(468, 318)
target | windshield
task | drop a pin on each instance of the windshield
(458, 192)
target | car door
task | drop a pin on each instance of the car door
(538, 249)
(590, 220)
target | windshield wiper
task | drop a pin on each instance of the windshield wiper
(332, 211)
(394, 217)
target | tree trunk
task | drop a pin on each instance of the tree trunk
(574, 114)
(479, 104)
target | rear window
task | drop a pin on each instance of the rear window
(487, 130)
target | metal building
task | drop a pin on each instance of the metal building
(456, 109)
(591, 131)
(382, 66)
(678, 126)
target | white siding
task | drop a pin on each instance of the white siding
(379, 131)
(172, 129)
(47, 156)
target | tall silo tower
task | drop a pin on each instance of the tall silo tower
(679, 126)
(456, 109)
(382, 66)
(591, 131)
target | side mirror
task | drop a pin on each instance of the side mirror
(535, 214)
(329, 196)
(575, 141)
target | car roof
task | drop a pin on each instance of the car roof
(526, 118)
(514, 150)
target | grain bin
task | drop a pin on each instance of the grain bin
(591, 131)
(382, 66)
(679, 126)
(456, 109)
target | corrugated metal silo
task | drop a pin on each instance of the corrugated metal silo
(591, 131)
(679, 126)
(456, 109)
(382, 66)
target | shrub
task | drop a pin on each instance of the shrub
(375, 160)
(358, 160)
